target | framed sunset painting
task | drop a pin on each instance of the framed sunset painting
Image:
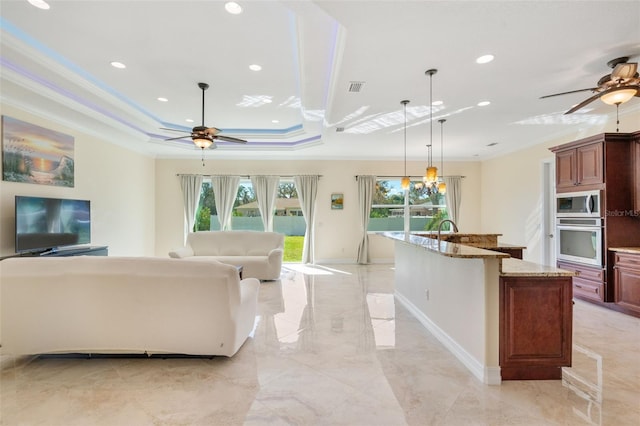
(33, 154)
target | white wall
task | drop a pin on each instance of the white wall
(118, 182)
(337, 231)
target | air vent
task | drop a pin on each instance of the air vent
(339, 129)
(356, 86)
(492, 144)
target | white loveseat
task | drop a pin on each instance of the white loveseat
(259, 253)
(100, 304)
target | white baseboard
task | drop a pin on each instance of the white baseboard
(342, 261)
(488, 375)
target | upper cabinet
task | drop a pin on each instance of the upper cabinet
(580, 168)
(591, 163)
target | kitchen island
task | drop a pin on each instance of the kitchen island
(475, 301)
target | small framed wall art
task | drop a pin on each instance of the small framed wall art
(337, 201)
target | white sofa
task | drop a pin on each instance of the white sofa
(100, 304)
(259, 253)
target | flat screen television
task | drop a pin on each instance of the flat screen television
(45, 224)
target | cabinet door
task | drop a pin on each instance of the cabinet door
(589, 164)
(566, 169)
(627, 281)
(535, 327)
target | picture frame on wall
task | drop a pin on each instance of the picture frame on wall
(33, 154)
(337, 201)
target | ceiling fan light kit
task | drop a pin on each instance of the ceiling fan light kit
(619, 96)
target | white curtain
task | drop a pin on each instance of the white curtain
(453, 196)
(225, 190)
(266, 189)
(366, 189)
(307, 187)
(191, 186)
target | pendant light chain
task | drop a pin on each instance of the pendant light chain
(431, 175)
(404, 103)
(406, 181)
(441, 121)
(430, 120)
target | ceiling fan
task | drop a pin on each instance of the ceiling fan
(613, 89)
(204, 137)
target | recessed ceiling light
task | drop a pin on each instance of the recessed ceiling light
(437, 103)
(233, 8)
(484, 103)
(267, 101)
(255, 67)
(118, 65)
(275, 121)
(188, 120)
(484, 59)
(40, 4)
(163, 99)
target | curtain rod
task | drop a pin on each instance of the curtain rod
(410, 177)
(241, 176)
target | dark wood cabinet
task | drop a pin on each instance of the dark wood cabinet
(516, 253)
(609, 163)
(588, 283)
(627, 282)
(580, 168)
(535, 327)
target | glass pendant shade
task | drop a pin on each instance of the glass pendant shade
(618, 96)
(202, 143)
(431, 175)
(405, 182)
(442, 188)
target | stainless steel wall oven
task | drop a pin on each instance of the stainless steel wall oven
(579, 239)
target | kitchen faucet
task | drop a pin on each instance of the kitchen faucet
(455, 228)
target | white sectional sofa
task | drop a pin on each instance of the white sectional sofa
(259, 253)
(100, 304)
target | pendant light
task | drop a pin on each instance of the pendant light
(406, 182)
(442, 186)
(431, 174)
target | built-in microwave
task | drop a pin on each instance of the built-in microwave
(579, 204)
(579, 240)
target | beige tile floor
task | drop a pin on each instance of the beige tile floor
(331, 347)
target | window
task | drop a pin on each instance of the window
(206, 208)
(288, 218)
(425, 211)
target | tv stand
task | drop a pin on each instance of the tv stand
(78, 251)
(75, 251)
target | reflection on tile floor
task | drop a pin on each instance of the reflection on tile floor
(331, 347)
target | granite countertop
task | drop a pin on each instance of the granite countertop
(459, 234)
(632, 250)
(521, 268)
(444, 248)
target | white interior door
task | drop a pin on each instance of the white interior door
(549, 212)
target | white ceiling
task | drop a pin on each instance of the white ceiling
(55, 63)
